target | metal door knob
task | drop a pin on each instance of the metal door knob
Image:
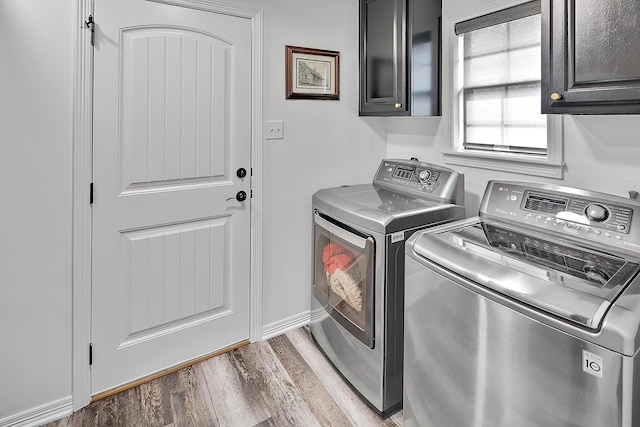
(556, 96)
(241, 173)
(241, 196)
(398, 105)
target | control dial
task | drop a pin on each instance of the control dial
(596, 212)
(424, 175)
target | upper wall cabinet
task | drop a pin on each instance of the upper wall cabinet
(590, 57)
(400, 57)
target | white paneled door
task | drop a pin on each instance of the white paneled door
(171, 242)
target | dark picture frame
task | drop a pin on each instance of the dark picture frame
(312, 73)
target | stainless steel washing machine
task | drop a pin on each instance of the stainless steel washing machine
(527, 315)
(358, 281)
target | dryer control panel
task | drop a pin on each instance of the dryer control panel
(421, 179)
(573, 212)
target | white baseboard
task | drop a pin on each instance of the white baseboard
(280, 327)
(40, 415)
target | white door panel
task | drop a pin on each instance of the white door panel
(175, 121)
(172, 123)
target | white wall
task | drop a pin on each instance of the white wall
(325, 144)
(36, 62)
(599, 151)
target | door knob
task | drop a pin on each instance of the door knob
(556, 96)
(241, 196)
(242, 172)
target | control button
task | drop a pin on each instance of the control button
(547, 219)
(587, 229)
(568, 225)
(596, 212)
(557, 222)
(622, 227)
(527, 215)
(514, 198)
(424, 175)
(619, 237)
(607, 234)
(577, 227)
(537, 217)
(597, 232)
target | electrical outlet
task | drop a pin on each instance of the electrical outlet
(274, 129)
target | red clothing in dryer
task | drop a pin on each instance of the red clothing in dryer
(335, 256)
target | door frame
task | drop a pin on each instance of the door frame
(83, 174)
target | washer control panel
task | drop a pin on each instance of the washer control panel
(419, 178)
(580, 213)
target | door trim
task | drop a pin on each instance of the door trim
(83, 175)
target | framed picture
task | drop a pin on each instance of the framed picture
(312, 73)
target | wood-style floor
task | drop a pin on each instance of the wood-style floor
(284, 381)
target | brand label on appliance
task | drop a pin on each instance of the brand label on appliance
(592, 364)
(397, 237)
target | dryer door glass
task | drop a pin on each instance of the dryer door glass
(343, 276)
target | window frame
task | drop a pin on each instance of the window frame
(552, 165)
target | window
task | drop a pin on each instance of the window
(501, 90)
(497, 120)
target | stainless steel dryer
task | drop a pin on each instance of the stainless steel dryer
(358, 282)
(527, 315)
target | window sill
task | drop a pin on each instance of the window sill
(521, 164)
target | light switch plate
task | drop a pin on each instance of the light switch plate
(274, 129)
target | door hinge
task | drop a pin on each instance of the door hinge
(252, 193)
(90, 354)
(90, 24)
(91, 193)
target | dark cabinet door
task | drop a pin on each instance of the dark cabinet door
(383, 62)
(591, 56)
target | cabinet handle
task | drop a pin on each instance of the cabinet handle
(556, 96)
(398, 105)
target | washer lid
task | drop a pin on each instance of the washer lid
(381, 210)
(550, 274)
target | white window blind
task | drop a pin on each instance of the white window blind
(500, 97)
